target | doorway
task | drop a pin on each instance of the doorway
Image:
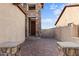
(32, 26)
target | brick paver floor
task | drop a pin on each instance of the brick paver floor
(39, 47)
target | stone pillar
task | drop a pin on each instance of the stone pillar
(68, 51)
(27, 26)
(38, 24)
(10, 51)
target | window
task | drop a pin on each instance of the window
(31, 6)
(22, 4)
(70, 24)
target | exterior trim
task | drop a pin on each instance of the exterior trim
(20, 7)
(42, 5)
(64, 10)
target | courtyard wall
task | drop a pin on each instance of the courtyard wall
(61, 33)
(47, 33)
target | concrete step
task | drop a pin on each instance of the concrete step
(33, 38)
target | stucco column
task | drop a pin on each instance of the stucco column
(27, 27)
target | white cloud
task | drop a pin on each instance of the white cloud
(56, 9)
(53, 6)
(56, 6)
(57, 12)
(47, 23)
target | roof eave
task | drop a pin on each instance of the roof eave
(60, 15)
(64, 10)
(20, 7)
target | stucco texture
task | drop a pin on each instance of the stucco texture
(70, 15)
(12, 25)
(66, 33)
(48, 33)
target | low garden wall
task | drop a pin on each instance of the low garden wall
(47, 33)
(66, 33)
(61, 33)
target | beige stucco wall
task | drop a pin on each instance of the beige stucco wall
(48, 33)
(12, 25)
(66, 33)
(70, 15)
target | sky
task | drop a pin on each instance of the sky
(50, 14)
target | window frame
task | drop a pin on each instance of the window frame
(32, 7)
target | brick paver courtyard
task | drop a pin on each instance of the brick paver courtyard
(39, 47)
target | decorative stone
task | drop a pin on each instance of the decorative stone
(77, 52)
(18, 54)
(4, 50)
(8, 50)
(10, 54)
(0, 51)
(69, 48)
(71, 52)
(61, 51)
(14, 50)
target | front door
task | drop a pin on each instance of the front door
(33, 28)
